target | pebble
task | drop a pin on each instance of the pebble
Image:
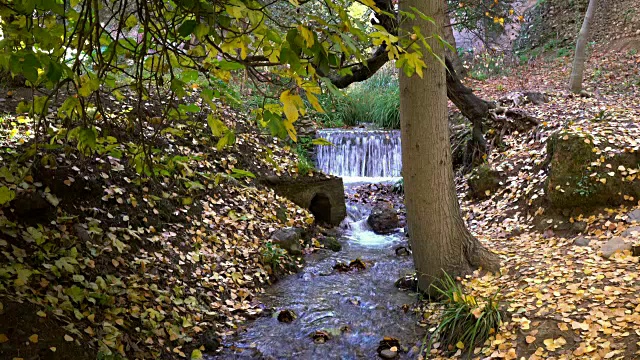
(388, 354)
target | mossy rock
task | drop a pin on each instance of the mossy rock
(331, 243)
(483, 181)
(570, 184)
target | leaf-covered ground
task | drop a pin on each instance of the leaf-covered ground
(561, 301)
(97, 260)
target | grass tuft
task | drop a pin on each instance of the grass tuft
(466, 322)
(375, 101)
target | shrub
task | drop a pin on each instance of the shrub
(274, 257)
(466, 322)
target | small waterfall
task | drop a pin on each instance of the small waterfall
(360, 153)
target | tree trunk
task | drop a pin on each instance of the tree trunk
(453, 54)
(577, 71)
(439, 237)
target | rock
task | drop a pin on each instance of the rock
(331, 243)
(320, 336)
(287, 316)
(210, 341)
(633, 216)
(483, 182)
(616, 244)
(388, 354)
(82, 233)
(402, 251)
(288, 239)
(632, 232)
(331, 232)
(581, 241)
(570, 185)
(383, 218)
(407, 282)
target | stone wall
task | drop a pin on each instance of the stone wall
(323, 196)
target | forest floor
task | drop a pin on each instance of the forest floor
(562, 301)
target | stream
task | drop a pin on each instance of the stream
(365, 301)
(357, 309)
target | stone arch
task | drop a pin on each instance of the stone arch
(323, 196)
(320, 207)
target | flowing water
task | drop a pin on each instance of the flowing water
(360, 154)
(357, 308)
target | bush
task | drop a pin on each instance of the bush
(274, 257)
(466, 322)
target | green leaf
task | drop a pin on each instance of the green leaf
(30, 65)
(6, 195)
(187, 28)
(75, 293)
(230, 65)
(218, 128)
(239, 173)
(321, 142)
(228, 139)
(131, 21)
(196, 354)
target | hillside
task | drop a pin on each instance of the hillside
(553, 25)
(98, 259)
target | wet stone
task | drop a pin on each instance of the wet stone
(286, 316)
(388, 354)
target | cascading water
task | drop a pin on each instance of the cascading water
(360, 153)
(357, 308)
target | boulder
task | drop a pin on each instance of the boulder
(582, 241)
(288, 239)
(570, 184)
(483, 182)
(616, 244)
(383, 218)
(331, 243)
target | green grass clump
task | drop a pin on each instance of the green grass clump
(466, 322)
(375, 101)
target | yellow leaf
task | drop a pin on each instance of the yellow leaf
(53, 348)
(291, 104)
(68, 338)
(34, 338)
(3, 338)
(530, 339)
(314, 102)
(307, 35)
(460, 345)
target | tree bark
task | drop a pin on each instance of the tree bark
(577, 71)
(439, 237)
(453, 54)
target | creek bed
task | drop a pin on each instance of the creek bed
(365, 303)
